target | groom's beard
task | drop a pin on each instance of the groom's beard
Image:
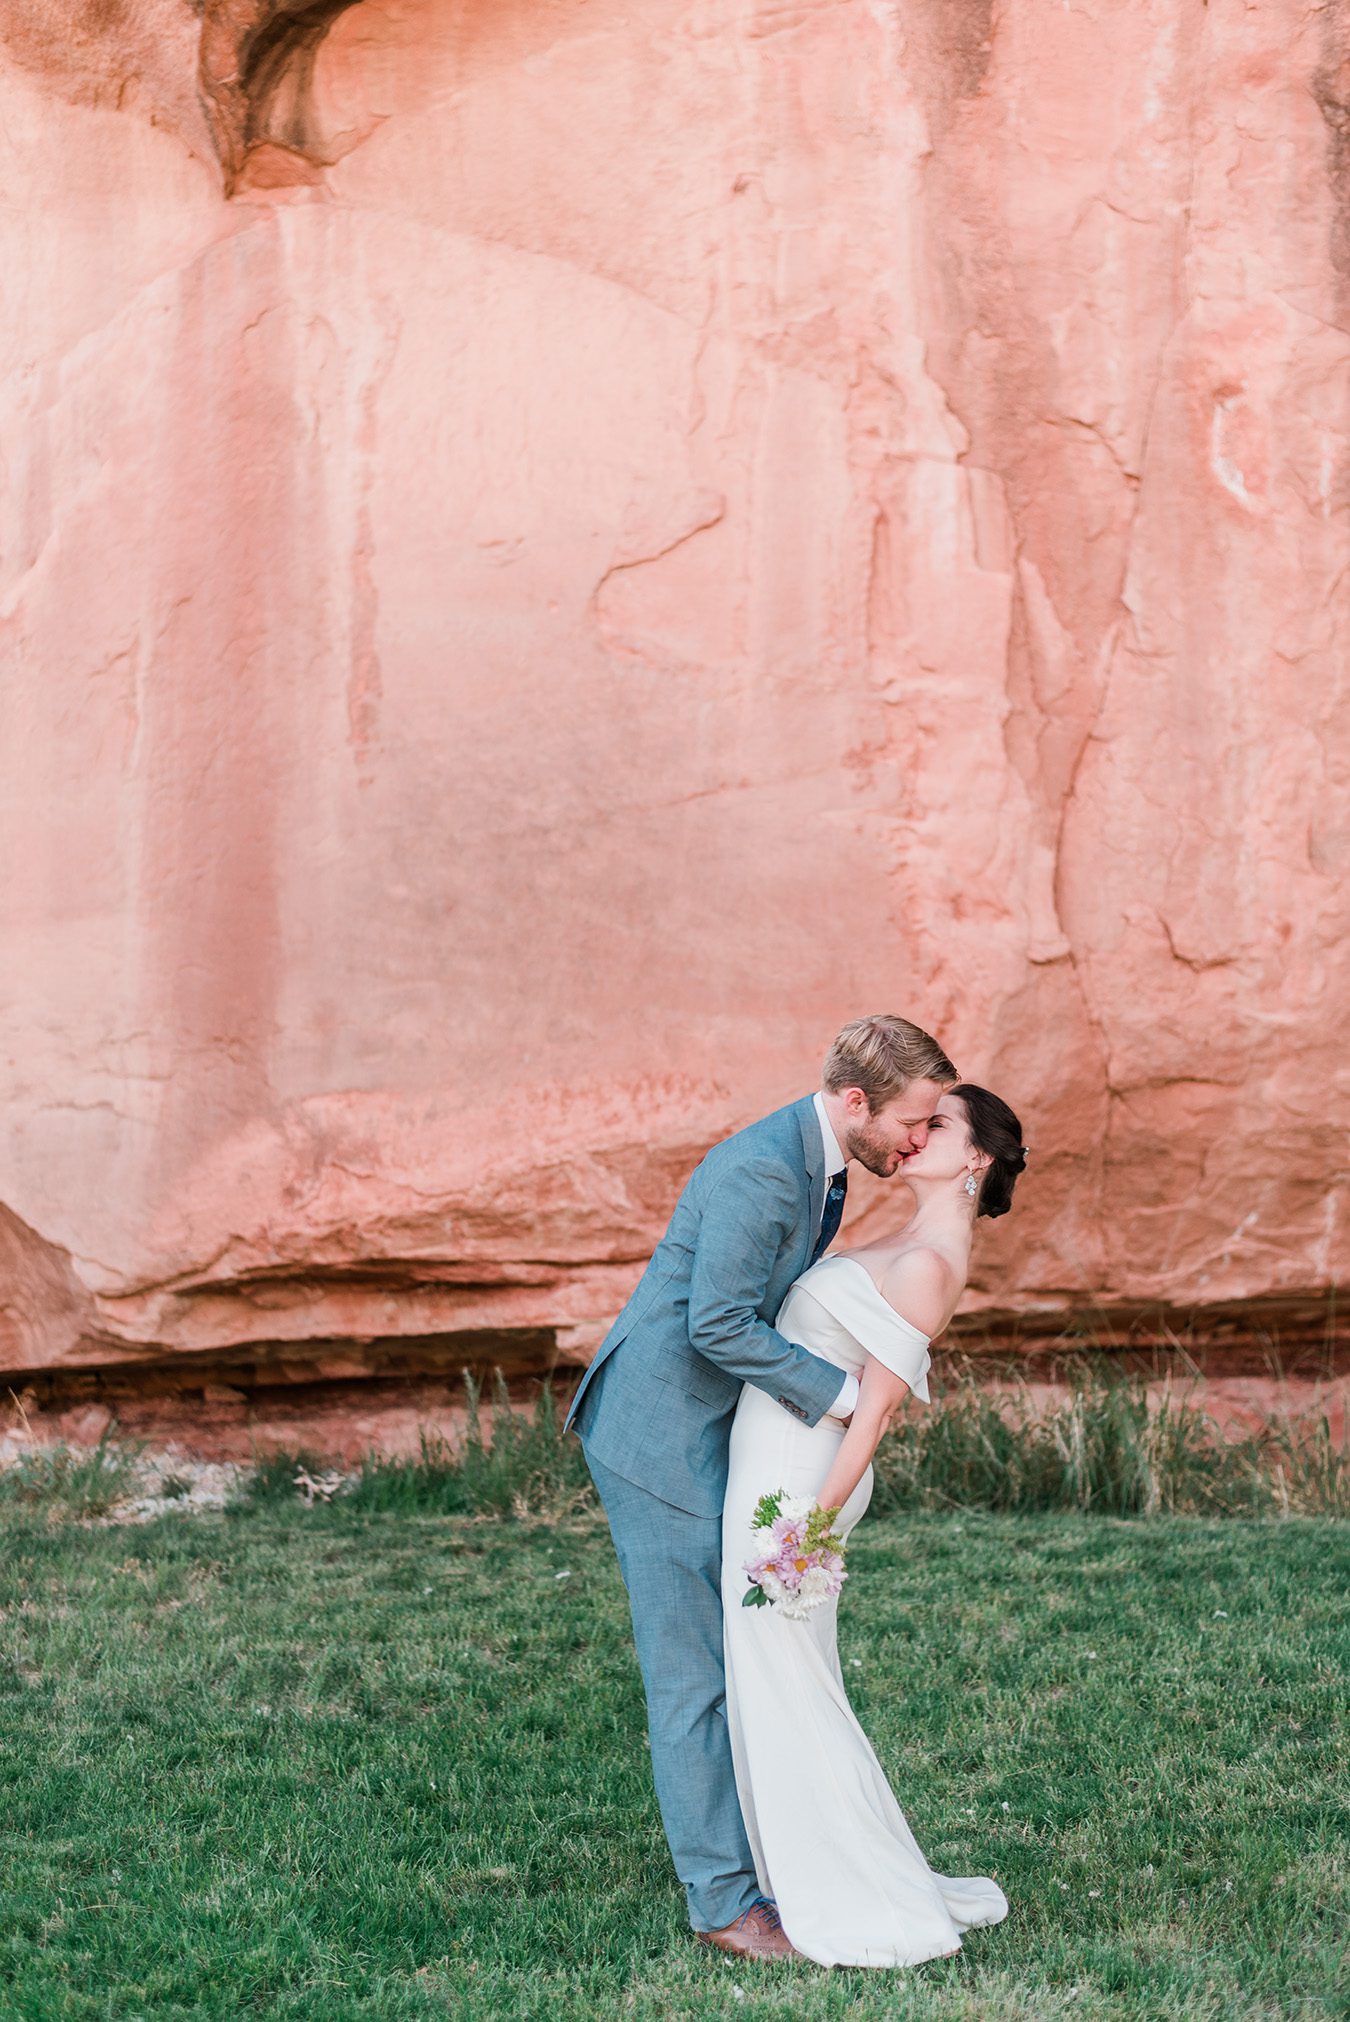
(871, 1150)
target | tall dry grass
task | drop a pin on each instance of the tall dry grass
(1109, 1443)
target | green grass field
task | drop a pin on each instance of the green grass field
(333, 1763)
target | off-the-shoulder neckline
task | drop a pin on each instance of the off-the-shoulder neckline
(925, 1338)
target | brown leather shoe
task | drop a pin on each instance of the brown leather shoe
(759, 1934)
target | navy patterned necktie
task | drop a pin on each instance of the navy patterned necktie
(833, 1215)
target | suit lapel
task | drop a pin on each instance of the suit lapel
(813, 1153)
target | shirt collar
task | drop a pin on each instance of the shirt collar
(834, 1158)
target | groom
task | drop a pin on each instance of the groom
(654, 1414)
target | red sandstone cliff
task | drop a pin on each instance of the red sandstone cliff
(553, 552)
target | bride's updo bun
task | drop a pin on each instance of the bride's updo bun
(993, 1130)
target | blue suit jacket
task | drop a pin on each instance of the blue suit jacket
(698, 1325)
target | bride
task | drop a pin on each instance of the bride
(831, 1844)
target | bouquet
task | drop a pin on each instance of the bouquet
(801, 1561)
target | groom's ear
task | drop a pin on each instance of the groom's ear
(855, 1102)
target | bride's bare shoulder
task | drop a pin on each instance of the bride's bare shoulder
(922, 1286)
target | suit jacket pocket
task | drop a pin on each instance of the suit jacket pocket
(698, 1377)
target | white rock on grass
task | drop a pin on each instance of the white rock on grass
(207, 1484)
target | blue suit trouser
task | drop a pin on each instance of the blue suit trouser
(672, 1567)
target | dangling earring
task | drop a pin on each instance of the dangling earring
(972, 1187)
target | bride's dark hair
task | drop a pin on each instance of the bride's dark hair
(993, 1130)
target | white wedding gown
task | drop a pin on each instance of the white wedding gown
(831, 1844)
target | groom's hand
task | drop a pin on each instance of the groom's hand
(841, 1411)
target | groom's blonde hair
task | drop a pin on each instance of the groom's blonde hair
(881, 1055)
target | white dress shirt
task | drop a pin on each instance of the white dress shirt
(835, 1162)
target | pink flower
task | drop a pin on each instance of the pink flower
(791, 1574)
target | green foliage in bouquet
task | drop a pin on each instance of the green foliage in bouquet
(819, 1533)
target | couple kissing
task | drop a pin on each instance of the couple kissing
(729, 1420)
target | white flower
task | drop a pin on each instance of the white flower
(796, 1507)
(566, 1574)
(856, 1662)
(799, 1605)
(1221, 1614)
(1094, 1892)
(1007, 1806)
(815, 1584)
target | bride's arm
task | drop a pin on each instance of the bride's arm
(880, 1398)
(919, 1287)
